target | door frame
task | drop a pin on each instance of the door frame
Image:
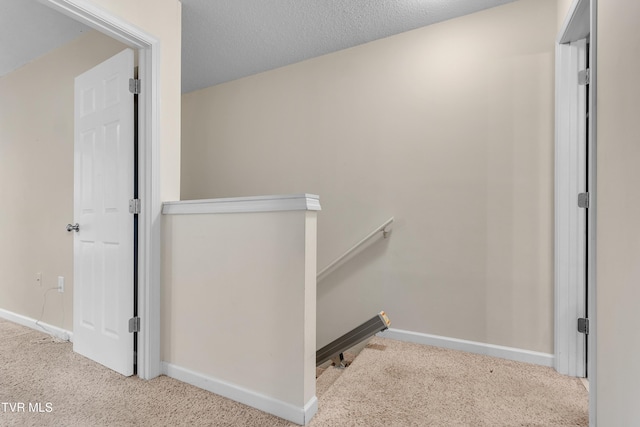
(581, 20)
(148, 47)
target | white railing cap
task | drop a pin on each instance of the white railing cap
(288, 202)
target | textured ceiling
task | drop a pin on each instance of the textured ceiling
(223, 40)
(29, 30)
(226, 40)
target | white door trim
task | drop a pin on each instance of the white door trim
(593, 213)
(148, 167)
(582, 17)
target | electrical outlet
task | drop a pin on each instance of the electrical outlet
(60, 284)
(38, 279)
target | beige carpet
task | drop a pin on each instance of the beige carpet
(393, 383)
(389, 384)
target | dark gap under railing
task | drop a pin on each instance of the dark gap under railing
(376, 324)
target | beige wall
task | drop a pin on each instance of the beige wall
(618, 235)
(449, 128)
(36, 177)
(163, 20)
(38, 199)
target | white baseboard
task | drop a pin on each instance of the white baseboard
(509, 353)
(296, 414)
(29, 322)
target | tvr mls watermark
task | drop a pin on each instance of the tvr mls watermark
(30, 407)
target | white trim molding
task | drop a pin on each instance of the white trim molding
(592, 338)
(43, 327)
(99, 19)
(294, 202)
(148, 166)
(299, 415)
(509, 353)
(576, 24)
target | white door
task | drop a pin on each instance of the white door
(104, 241)
(571, 238)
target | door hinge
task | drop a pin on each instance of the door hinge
(134, 324)
(135, 206)
(135, 86)
(583, 326)
(583, 200)
(584, 77)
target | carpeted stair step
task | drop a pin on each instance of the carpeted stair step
(326, 379)
(326, 376)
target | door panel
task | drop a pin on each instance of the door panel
(570, 220)
(103, 185)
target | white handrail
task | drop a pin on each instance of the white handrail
(329, 268)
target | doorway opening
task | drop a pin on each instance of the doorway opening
(148, 253)
(575, 196)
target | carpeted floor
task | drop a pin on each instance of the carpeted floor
(390, 383)
(394, 383)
